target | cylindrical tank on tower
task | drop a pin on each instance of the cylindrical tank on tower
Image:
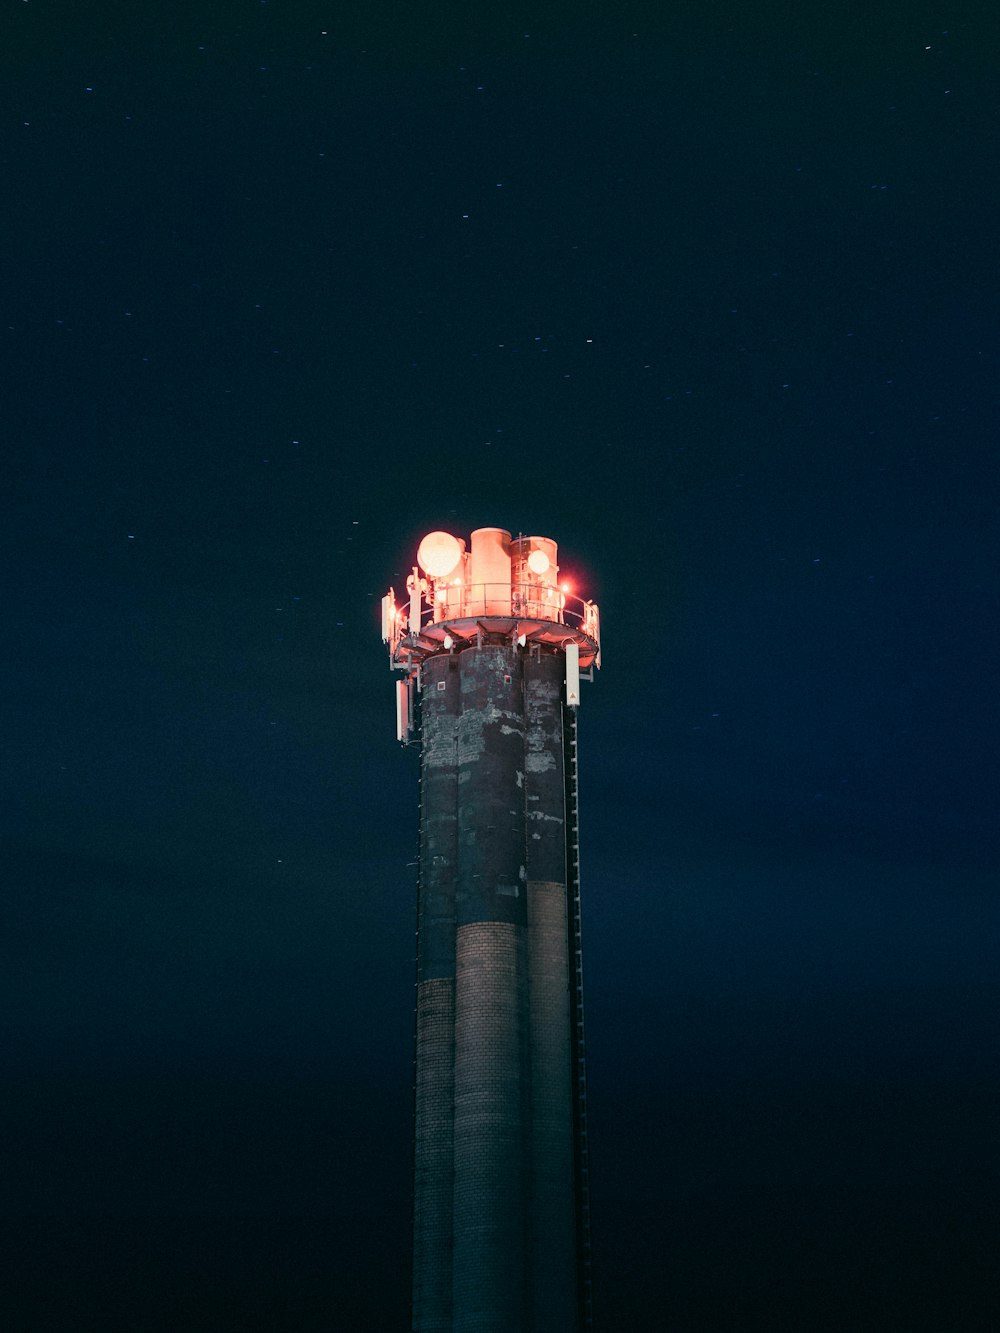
(489, 572)
(535, 576)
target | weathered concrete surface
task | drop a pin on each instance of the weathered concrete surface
(490, 1286)
(434, 1091)
(552, 1258)
(491, 872)
(433, 1155)
(552, 1265)
(495, 1229)
(491, 1056)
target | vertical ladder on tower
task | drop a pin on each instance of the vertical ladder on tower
(571, 770)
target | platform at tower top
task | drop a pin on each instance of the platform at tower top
(491, 612)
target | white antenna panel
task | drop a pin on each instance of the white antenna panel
(573, 674)
(402, 711)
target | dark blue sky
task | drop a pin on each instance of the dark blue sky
(707, 295)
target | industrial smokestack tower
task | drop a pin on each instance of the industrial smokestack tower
(491, 648)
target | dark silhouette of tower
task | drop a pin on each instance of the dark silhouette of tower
(491, 648)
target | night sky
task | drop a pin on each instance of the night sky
(708, 294)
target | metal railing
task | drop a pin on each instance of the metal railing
(440, 601)
(533, 601)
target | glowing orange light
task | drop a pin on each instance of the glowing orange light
(566, 587)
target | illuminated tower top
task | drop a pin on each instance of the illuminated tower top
(497, 588)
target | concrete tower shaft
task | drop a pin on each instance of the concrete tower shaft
(500, 1219)
(491, 1037)
(435, 1000)
(551, 1007)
